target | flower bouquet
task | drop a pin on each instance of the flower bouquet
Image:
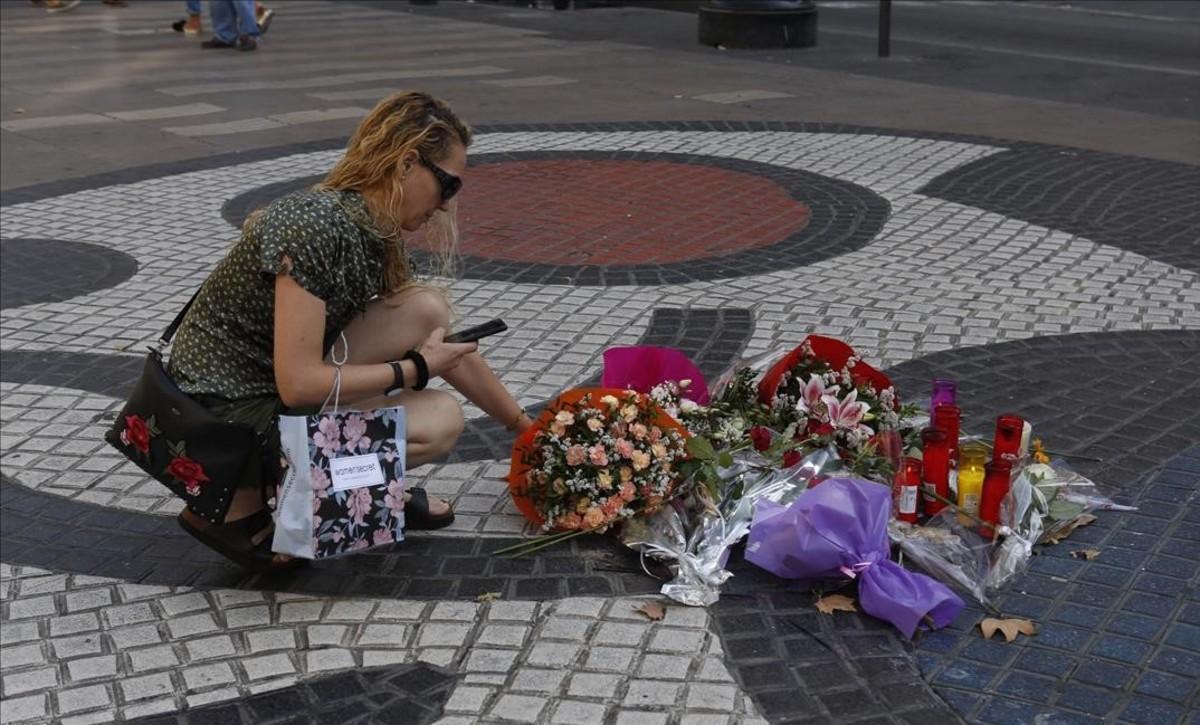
(594, 457)
(823, 394)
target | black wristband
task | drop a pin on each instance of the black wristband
(397, 379)
(422, 369)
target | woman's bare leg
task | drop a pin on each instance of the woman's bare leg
(388, 328)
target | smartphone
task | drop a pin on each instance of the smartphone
(471, 334)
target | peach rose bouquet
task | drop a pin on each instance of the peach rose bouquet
(595, 457)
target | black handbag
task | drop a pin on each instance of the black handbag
(180, 443)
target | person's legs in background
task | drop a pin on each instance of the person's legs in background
(247, 24)
(225, 24)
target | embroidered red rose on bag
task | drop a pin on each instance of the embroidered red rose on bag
(138, 432)
(184, 469)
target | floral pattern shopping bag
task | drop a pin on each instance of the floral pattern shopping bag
(343, 484)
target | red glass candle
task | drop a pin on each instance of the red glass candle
(1007, 445)
(949, 418)
(906, 484)
(935, 467)
(997, 479)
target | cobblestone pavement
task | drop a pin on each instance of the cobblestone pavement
(1055, 282)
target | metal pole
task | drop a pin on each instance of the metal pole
(885, 28)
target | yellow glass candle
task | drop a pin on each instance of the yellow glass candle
(971, 459)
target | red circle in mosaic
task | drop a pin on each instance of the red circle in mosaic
(612, 212)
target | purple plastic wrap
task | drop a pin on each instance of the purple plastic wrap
(839, 529)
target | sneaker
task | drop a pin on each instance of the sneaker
(247, 42)
(216, 42)
(62, 7)
(264, 21)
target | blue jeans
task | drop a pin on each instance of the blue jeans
(232, 18)
(193, 7)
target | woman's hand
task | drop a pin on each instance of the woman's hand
(523, 423)
(442, 357)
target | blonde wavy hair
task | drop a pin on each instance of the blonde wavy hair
(402, 122)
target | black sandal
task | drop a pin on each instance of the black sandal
(417, 515)
(246, 542)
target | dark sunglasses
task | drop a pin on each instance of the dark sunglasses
(447, 182)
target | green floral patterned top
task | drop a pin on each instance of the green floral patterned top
(225, 345)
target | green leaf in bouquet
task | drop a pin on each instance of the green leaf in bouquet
(725, 459)
(701, 448)
(690, 468)
(1064, 510)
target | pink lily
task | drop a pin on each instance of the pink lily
(812, 393)
(846, 413)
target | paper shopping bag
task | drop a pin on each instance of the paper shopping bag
(343, 484)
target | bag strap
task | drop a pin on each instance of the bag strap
(165, 338)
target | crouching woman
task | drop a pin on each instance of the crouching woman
(323, 275)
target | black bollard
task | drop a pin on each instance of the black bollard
(885, 28)
(758, 23)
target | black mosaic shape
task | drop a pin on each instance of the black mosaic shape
(236, 210)
(801, 666)
(1138, 205)
(412, 694)
(45, 530)
(1131, 399)
(99, 373)
(844, 217)
(711, 338)
(52, 270)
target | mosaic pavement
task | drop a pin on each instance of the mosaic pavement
(1054, 282)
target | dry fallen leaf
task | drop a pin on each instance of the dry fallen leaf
(1088, 554)
(1065, 531)
(1008, 627)
(835, 603)
(652, 611)
(489, 597)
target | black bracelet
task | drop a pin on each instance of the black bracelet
(397, 379)
(422, 369)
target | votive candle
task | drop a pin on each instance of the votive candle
(906, 485)
(997, 479)
(935, 467)
(944, 393)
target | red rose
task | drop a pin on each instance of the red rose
(188, 472)
(791, 458)
(816, 428)
(761, 437)
(136, 434)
